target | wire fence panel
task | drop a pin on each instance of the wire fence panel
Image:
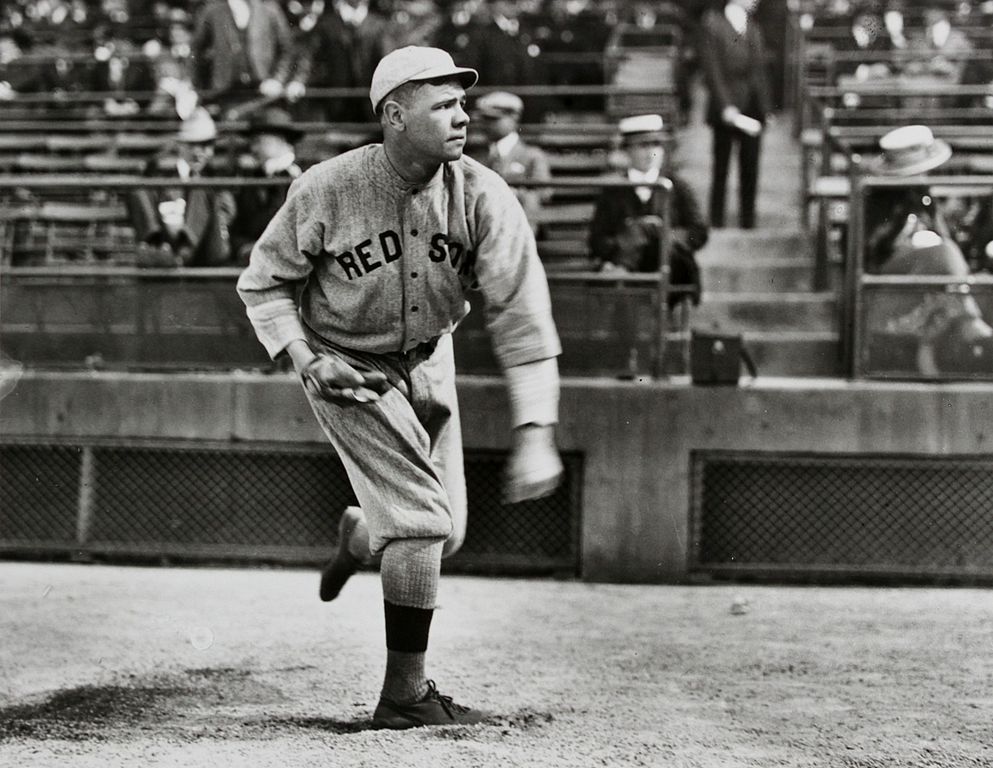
(842, 513)
(249, 503)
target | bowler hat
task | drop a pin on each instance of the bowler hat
(274, 120)
(415, 63)
(908, 151)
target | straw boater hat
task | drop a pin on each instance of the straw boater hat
(910, 150)
(639, 129)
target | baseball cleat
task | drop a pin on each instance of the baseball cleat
(340, 568)
(433, 709)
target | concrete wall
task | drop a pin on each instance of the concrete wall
(636, 437)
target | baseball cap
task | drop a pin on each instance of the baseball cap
(413, 63)
(500, 104)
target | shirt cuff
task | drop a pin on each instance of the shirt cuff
(534, 392)
(276, 323)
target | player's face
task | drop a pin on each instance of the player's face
(435, 122)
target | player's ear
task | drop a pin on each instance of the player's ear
(393, 115)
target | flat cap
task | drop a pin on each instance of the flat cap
(500, 104)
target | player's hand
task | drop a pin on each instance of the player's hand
(331, 378)
(534, 468)
(729, 114)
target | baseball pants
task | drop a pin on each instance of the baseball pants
(403, 453)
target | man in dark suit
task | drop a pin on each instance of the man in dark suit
(624, 232)
(183, 226)
(507, 153)
(340, 49)
(241, 47)
(273, 136)
(732, 53)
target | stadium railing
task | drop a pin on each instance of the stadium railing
(917, 327)
(116, 315)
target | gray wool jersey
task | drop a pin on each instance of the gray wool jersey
(385, 264)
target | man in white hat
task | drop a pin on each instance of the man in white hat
(184, 227)
(360, 278)
(508, 154)
(624, 231)
(894, 214)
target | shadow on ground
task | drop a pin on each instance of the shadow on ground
(196, 704)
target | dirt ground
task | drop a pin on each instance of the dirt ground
(108, 666)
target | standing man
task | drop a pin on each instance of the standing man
(508, 154)
(732, 53)
(383, 243)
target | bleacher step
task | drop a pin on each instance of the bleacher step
(777, 353)
(767, 311)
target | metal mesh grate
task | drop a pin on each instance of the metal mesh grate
(247, 502)
(39, 490)
(218, 497)
(905, 514)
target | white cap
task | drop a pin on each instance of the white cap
(415, 62)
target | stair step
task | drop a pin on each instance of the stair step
(778, 353)
(765, 275)
(766, 312)
(745, 244)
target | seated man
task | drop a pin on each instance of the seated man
(184, 226)
(624, 233)
(894, 214)
(273, 137)
(500, 114)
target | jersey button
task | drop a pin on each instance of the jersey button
(413, 232)
(413, 274)
(413, 308)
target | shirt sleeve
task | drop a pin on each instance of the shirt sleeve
(518, 309)
(280, 261)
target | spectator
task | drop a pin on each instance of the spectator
(507, 154)
(947, 331)
(941, 50)
(273, 138)
(416, 22)
(341, 51)
(624, 233)
(732, 53)
(241, 47)
(499, 47)
(172, 66)
(894, 214)
(184, 227)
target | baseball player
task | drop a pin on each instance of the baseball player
(360, 278)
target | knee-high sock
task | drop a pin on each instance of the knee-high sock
(409, 572)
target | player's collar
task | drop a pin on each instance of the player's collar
(388, 174)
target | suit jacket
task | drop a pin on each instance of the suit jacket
(734, 67)
(523, 163)
(255, 208)
(340, 55)
(616, 237)
(221, 55)
(204, 240)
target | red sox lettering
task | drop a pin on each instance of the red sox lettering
(365, 257)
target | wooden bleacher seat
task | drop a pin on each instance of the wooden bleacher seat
(59, 232)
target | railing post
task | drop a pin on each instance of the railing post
(662, 313)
